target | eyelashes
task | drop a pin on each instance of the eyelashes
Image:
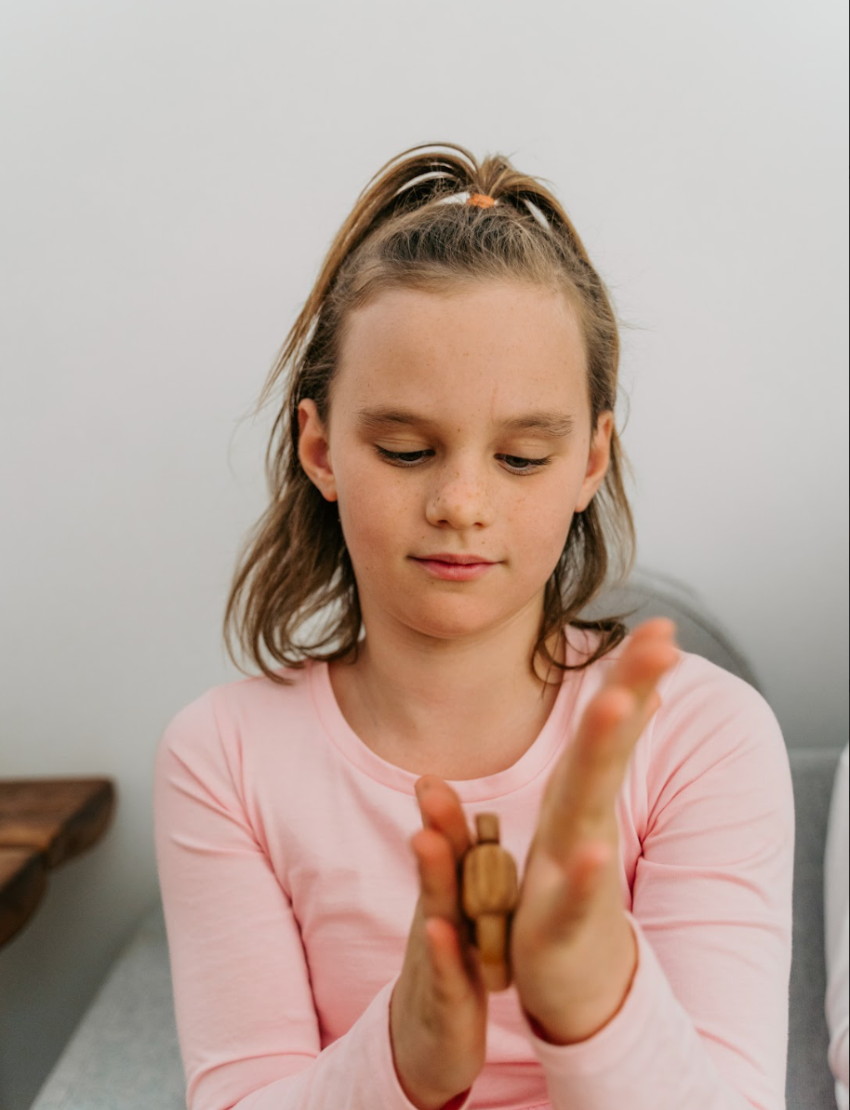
(412, 458)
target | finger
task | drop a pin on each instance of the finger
(441, 809)
(453, 966)
(580, 797)
(643, 662)
(596, 758)
(581, 802)
(654, 628)
(609, 730)
(438, 878)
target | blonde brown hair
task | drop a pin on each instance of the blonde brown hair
(406, 230)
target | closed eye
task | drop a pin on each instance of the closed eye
(517, 464)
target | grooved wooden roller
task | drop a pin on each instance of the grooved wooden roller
(490, 891)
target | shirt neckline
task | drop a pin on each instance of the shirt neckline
(533, 762)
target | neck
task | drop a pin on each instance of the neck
(460, 708)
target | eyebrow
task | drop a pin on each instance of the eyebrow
(555, 425)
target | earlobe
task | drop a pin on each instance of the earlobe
(597, 460)
(314, 450)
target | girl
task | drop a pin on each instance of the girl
(446, 479)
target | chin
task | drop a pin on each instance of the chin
(449, 623)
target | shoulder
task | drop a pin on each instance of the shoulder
(226, 714)
(714, 739)
(716, 736)
(696, 686)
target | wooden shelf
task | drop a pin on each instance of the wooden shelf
(44, 823)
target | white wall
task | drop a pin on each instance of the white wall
(172, 173)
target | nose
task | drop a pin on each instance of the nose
(461, 496)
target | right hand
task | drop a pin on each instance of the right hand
(438, 1011)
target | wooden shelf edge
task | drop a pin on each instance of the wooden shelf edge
(59, 817)
(23, 881)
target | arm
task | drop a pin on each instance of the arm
(838, 925)
(704, 1023)
(248, 1030)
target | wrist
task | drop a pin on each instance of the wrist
(434, 1102)
(428, 1078)
(571, 1027)
(407, 1064)
(581, 1014)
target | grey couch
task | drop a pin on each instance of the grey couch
(124, 1054)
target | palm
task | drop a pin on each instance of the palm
(570, 910)
(569, 930)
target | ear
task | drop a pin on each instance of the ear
(314, 450)
(597, 459)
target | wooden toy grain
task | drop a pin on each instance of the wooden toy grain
(490, 890)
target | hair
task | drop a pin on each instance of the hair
(410, 228)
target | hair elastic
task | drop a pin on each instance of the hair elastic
(479, 200)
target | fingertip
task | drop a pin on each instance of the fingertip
(655, 628)
(674, 654)
(427, 845)
(615, 703)
(667, 625)
(664, 626)
(421, 785)
(426, 783)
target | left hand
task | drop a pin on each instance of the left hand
(572, 950)
(573, 953)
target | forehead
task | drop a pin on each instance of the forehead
(496, 345)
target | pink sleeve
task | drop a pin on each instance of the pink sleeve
(705, 1023)
(247, 1026)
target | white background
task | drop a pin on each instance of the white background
(172, 174)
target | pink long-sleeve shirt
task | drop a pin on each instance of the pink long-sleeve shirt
(289, 886)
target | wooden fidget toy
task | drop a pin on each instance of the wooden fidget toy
(490, 892)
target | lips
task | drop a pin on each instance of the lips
(455, 560)
(455, 571)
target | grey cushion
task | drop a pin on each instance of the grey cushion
(124, 1054)
(656, 595)
(810, 1084)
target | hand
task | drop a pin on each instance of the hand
(573, 952)
(438, 1011)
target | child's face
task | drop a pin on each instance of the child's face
(465, 361)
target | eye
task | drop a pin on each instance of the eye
(401, 458)
(525, 466)
(517, 464)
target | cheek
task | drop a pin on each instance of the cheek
(545, 533)
(545, 512)
(370, 508)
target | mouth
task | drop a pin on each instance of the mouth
(454, 560)
(455, 568)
